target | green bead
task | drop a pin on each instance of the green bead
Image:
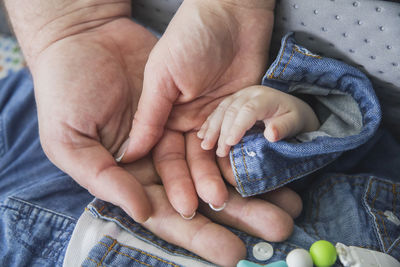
(323, 253)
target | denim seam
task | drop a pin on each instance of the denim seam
(272, 175)
(130, 257)
(123, 254)
(140, 251)
(94, 261)
(237, 176)
(379, 214)
(107, 252)
(271, 76)
(287, 63)
(395, 244)
(107, 215)
(42, 208)
(371, 205)
(314, 56)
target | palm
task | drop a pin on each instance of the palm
(209, 51)
(87, 87)
(213, 58)
(95, 83)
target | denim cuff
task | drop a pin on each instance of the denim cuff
(347, 108)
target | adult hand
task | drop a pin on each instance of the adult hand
(211, 49)
(270, 220)
(87, 60)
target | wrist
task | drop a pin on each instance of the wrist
(240, 4)
(40, 23)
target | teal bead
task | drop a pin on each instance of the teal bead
(244, 263)
(277, 264)
(323, 253)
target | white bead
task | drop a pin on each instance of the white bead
(263, 251)
(299, 258)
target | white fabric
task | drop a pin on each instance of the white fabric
(89, 231)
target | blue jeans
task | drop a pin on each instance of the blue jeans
(351, 199)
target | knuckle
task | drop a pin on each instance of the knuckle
(249, 107)
(231, 111)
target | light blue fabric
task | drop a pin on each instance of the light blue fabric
(345, 201)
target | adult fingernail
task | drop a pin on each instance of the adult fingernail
(217, 208)
(200, 134)
(122, 150)
(230, 141)
(188, 217)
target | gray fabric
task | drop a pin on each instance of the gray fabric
(363, 33)
(4, 29)
(337, 112)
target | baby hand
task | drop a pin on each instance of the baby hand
(284, 115)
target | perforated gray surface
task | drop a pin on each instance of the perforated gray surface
(365, 34)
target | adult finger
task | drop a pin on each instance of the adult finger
(253, 216)
(285, 198)
(93, 167)
(170, 161)
(155, 104)
(205, 173)
(210, 241)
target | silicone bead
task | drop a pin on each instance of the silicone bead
(299, 258)
(277, 264)
(323, 253)
(244, 263)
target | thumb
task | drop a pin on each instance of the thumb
(94, 168)
(282, 126)
(155, 104)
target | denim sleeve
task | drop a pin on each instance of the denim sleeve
(344, 102)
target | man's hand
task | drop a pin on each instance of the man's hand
(211, 49)
(87, 60)
(268, 217)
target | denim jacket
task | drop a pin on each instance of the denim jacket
(346, 106)
(350, 183)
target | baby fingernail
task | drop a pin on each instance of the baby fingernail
(188, 217)
(217, 208)
(122, 150)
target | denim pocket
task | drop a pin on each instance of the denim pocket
(382, 203)
(31, 235)
(108, 212)
(357, 210)
(110, 252)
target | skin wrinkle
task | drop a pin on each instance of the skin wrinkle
(37, 38)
